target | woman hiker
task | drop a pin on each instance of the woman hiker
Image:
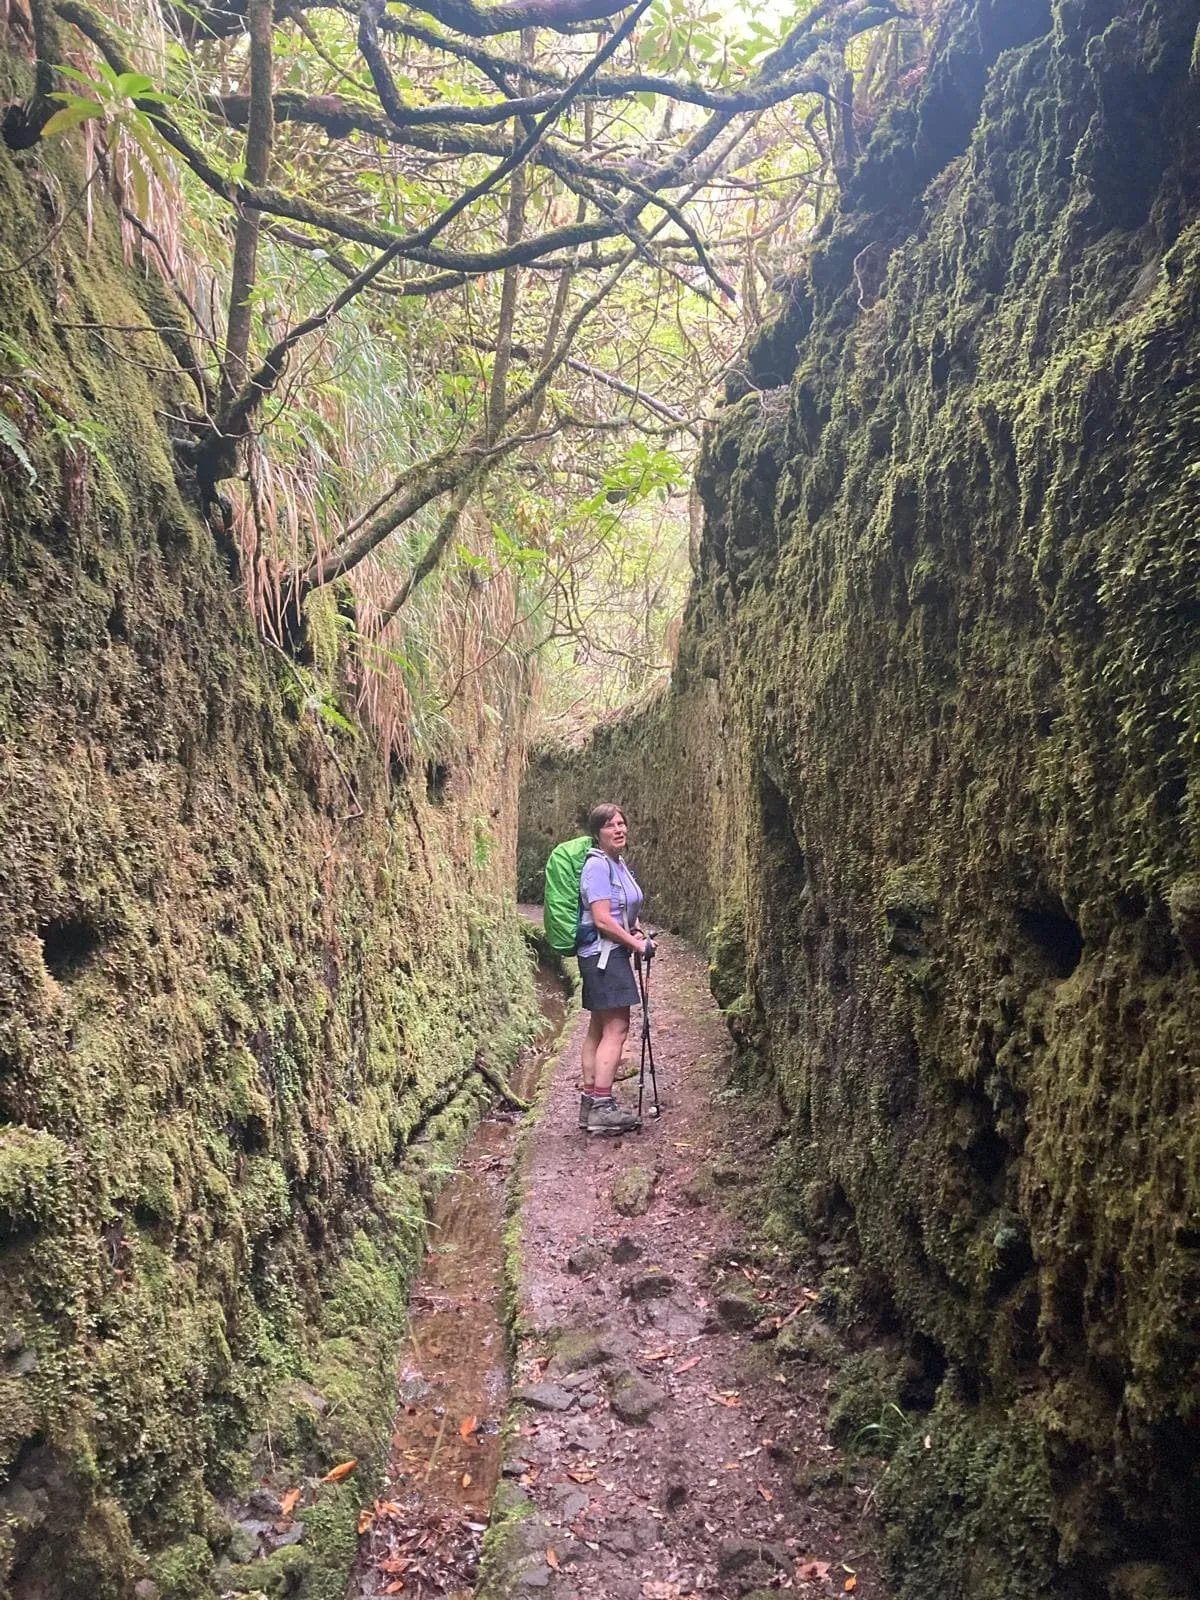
(610, 935)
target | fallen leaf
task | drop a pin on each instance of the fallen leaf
(466, 1480)
(687, 1366)
(289, 1502)
(812, 1571)
(551, 1557)
(850, 1584)
(581, 1475)
(342, 1470)
(654, 1355)
(365, 1519)
(765, 1492)
(654, 1590)
(388, 1508)
(393, 1564)
(467, 1427)
(395, 1588)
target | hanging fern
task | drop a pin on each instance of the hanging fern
(12, 441)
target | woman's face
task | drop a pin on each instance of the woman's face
(613, 834)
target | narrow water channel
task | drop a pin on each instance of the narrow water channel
(428, 1524)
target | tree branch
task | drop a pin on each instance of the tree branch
(259, 139)
(481, 22)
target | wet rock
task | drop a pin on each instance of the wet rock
(146, 1589)
(546, 1397)
(655, 1284)
(633, 1192)
(634, 1400)
(265, 1503)
(629, 1538)
(627, 1250)
(577, 1380)
(738, 1310)
(570, 1502)
(680, 1324)
(514, 1467)
(585, 1436)
(584, 1259)
(296, 1534)
(536, 1577)
(727, 1175)
(748, 1564)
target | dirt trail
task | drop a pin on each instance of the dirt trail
(664, 1450)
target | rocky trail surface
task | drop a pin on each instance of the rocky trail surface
(664, 1447)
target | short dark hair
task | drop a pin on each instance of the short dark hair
(600, 816)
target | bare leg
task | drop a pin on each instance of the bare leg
(591, 1040)
(614, 1025)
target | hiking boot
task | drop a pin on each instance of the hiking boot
(608, 1118)
(585, 1106)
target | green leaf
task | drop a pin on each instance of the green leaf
(71, 116)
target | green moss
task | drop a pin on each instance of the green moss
(864, 1402)
(184, 1571)
(504, 1544)
(35, 1174)
(231, 1017)
(966, 1502)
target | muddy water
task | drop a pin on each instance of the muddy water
(428, 1523)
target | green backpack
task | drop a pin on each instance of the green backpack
(564, 866)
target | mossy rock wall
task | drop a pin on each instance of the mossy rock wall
(950, 587)
(239, 1004)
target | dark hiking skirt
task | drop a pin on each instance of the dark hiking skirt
(615, 986)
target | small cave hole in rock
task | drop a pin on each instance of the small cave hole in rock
(1054, 934)
(437, 781)
(68, 944)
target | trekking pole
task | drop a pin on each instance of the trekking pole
(647, 1042)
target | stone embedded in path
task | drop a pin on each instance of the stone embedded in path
(577, 1349)
(738, 1310)
(633, 1191)
(546, 1397)
(698, 1190)
(629, 1538)
(634, 1400)
(627, 1250)
(653, 1284)
(585, 1258)
(750, 1563)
